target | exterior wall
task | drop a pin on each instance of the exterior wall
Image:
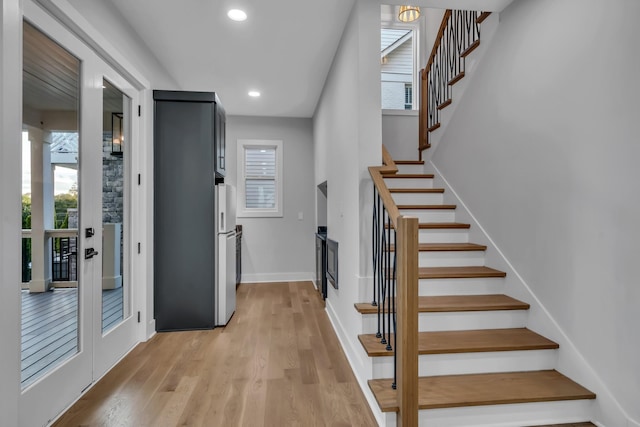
(395, 73)
(278, 249)
(543, 150)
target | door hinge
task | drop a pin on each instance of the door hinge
(139, 111)
(138, 317)
(139, 246)
(139, 179)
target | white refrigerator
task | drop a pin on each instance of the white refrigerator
(226, 253)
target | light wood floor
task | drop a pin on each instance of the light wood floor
(277, 363)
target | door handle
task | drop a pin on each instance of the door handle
(90, 253)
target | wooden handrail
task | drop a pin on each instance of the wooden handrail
(406, 333)
(436, 45)
(377, 172)
(458, 36)
(389, 166)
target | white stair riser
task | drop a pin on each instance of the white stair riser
(410, 169)
(458, 321)
(448, 235)
(472, 286)
(440, 235)
(409, 182)
(451, 259)
(513, 415)
(431, 215)
(417, 198)
(473, 363)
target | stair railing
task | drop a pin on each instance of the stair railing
(395, 289)
(458, 36)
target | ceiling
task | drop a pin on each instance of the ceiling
(284, 49)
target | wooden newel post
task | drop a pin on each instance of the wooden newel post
(407, 322)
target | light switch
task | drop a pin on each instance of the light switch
(300, 216)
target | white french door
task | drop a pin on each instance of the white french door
(104, 306)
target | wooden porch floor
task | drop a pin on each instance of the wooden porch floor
(50, 328)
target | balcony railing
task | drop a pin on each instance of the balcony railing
(63, 255)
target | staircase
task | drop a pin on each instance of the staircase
(478, 363)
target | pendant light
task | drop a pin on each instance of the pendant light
(408, 13)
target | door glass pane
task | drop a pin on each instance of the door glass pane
(50, 152)
(115, 283)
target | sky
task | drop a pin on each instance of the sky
(64, 178)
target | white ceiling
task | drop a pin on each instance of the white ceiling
(284, 49)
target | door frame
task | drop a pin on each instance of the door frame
(66, 383)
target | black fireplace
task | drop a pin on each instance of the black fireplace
(321, 261)
(332, 262)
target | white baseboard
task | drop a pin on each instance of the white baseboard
(358, 365)
(277, 277)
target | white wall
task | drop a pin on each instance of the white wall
(400, 133)
(10, 153)
(105, 18)
(276, 249)
(543, 149)
(347, 138)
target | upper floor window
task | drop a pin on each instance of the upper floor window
(260, 178)
(398, 48)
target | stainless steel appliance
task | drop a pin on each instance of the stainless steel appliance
(226, 278)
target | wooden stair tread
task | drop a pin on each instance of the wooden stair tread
(585, 424)
(446, 247)
(458, 272)
(409, 162)
(451, 391)
(416, 190)
(407, 207)
(466, 341)
(437, 225)
(410, 176)
(457, 303)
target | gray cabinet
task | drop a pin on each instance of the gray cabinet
(186, 135)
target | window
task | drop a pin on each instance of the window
(408, 96)
(260, 178)
(398, 64)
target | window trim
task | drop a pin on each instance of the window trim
(242, 210)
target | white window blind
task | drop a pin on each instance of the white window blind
(260, 178)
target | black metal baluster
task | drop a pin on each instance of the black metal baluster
(395, 335)
(375, 242)
(379, 262)
(389, 274)
(384, 272)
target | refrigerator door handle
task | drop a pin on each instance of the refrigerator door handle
(222, 225)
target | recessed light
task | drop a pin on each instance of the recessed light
(254, 93)
(237, 15)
